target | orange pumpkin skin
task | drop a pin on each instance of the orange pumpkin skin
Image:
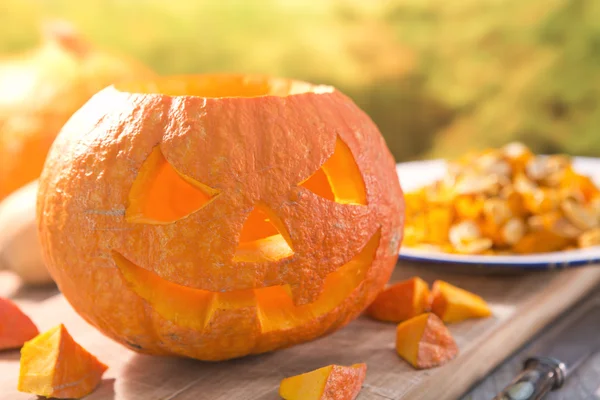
(197, 270)
(41, 89)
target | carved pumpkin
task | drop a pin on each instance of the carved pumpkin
(218, 216)
(40, 90)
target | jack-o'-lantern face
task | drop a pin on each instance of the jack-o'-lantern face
(231, 215)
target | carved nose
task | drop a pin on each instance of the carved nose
(263, 237)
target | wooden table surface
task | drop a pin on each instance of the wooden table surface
(584, 384)
(530, 297)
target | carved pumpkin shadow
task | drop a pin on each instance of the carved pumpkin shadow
(104, 391)
(258, 376)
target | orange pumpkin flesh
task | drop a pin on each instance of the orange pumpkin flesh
(425, 342)
(333, 382)
(15, 327)
(218, 216)
(453, 304)
(401, 301)
(54, 365)
(40, 90)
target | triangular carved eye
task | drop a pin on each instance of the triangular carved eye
(162, 195)
(339, 178)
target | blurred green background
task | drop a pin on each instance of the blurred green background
(439, 77)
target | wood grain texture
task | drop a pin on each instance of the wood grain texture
(522, 304)
(583, 384)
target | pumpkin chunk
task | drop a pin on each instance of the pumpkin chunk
(333, 382)
(453, 304)
(15, 327)
(401, 301)
(54, 365)
(425, 342)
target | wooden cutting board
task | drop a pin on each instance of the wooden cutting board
(522, 304)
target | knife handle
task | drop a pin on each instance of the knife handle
(540, 375)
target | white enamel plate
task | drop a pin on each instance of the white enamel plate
(414, 175)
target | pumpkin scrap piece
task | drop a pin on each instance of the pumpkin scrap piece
(41, 88)
(333, 382)
(54, 365)
(401, 301)
(453, 304)
(425, 342)
(15, 327)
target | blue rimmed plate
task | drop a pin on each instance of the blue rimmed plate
(414, 175)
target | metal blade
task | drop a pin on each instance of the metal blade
(572, 341)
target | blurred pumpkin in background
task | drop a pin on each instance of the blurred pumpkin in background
(439, 78)
(39, 90)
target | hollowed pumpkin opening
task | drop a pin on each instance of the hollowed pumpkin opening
(274, 306)
(161, 195)
(261, 238)
(339, 178)
(212, 86)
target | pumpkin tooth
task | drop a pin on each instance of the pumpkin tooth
(228, 301)
(308, 291)
(276, 307)
(168, 299)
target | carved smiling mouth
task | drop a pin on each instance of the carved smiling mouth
(162, 195)
(273, 305)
